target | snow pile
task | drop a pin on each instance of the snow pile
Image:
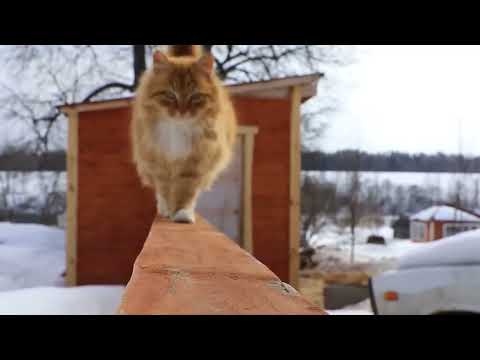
(460, 249)
(363, 308)
(32, 261)
(88, 300)
(31, 256)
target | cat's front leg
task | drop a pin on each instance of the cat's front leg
(186, 194)
(162, 206)
(162, 197)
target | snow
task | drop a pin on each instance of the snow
(460, 249)
(393, 250)
(31, 255)
(362, 308)
(88, 300)
(331, 234)
(444, 213)
(32, 261)
(336, 242)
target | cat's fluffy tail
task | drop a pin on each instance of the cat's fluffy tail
(185, 50)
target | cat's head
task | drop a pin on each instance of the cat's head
(183, 87)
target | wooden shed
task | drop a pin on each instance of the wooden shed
(441, 221)
(256, 202)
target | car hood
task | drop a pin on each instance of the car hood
(460, 249)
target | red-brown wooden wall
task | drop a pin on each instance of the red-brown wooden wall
(271, 180)
(115, 213)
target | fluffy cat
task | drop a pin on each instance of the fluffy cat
(183, 129)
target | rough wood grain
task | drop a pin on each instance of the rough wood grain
(197, 270)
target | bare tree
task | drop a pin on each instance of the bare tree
(42, 77)
(46, 76)
(314, 124)
(474, 205)
(262, 62)
(459, 196)
(373, 204)
(353, 192)
(352, 202)
(54, 200)
(6, 195)
(318, 204)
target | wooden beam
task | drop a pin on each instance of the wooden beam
(295, 169)
(193, 269)
(72, 198)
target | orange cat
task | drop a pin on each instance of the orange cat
(183, 129)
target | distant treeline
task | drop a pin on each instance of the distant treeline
(345, 160)
(348, 160)
(20, 160)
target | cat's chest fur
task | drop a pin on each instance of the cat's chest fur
(174, 138)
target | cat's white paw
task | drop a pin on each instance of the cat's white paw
(184, 216)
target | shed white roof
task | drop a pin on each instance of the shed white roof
(444, 213)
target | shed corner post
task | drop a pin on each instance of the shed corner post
(72, 198)
(248, 134)
(295, 172)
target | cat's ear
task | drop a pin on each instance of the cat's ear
(160, 60)
(206, 63)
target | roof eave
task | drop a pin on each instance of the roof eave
(276, 88)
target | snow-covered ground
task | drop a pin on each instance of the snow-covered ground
(32, 261)
(363, 308)
(334, 249)
(87, 300)
(30, 256)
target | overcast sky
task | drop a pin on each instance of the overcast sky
(413, 98)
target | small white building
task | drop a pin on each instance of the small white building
(441, 221)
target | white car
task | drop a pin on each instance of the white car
(441, 277)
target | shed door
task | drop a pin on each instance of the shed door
(222, 206)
